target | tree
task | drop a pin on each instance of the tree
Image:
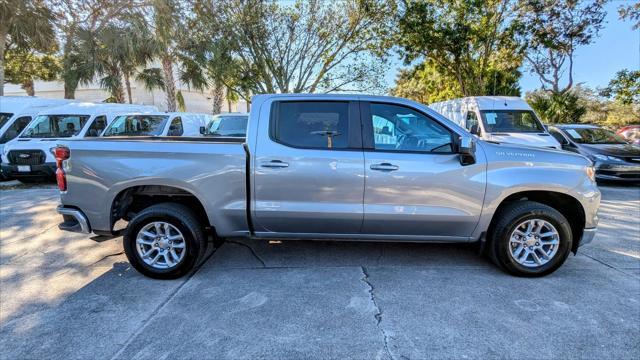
(553, 30)
(624, 88)
(26, 26)
(24, 67)
(307, 46)
(75, 16)
(168, 27)
(467, 41)
(560, 107)
(630, 12)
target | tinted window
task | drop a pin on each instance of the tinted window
(4, 117)
(52, 126)
(97, 126)
(557, 135)
(400, 128)
(594, 136)
(472, 120)
(136, 125)
(175, 128)
(307, 124)
(14, 129)
(511, 121)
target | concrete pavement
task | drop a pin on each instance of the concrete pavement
(64, 296)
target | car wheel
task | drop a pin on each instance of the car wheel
(165, 241)
(530, 239)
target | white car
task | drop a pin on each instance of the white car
(28, 157)
(158, 124)
(506, 119)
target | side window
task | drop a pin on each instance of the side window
(399, 128)
(472, 120)
(556, 134)
(311, 124)
(97, 126)
(15, 129)
(175, 129)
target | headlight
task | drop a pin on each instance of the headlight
(606, 158)
(591, 173)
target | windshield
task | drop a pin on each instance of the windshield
(511, 121)
(4, 117)
(228, 126)
(136, 125)
(54, 126)
(594, 136)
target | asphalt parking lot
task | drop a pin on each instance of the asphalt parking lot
(65, 296)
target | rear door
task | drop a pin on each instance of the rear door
(309, 169)
(415, 184)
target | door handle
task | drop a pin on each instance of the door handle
(384, 167)
(274, 164)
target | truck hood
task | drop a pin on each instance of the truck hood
(542, 140)
(513, 153)
(611, 149)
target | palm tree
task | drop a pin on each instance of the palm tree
(167, 26)
(26, 25)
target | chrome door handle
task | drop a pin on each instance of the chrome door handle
(384, 167)
(274, 164)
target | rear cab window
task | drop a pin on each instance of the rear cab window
(325, 125)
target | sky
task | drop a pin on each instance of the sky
(616, 48)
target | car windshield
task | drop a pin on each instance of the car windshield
(594, 136)
(228, 126)
(136, 125)
(4, 117)
(55, 126)
(511, 121)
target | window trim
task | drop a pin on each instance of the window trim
(368, 140)
(354, 141)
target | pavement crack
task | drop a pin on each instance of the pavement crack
(32, 235)
(378, 314)
(607, 265)
(253, 252)
(159, 308)
(105, 257)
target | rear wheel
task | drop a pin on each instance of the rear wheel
(165, 241)
(530, 239)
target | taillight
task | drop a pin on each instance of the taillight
(61, 153)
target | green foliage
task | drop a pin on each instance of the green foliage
(25, 67)
(630, 12)
(557, 107)
(624, 88)
(470, 42)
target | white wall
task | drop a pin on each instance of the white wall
(195, 101)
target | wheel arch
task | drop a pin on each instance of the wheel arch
(566, 204)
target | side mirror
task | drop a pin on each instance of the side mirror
(467, 150)
(203, 130)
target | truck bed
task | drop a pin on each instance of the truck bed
(211, 169)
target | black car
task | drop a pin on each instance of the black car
(614, 158)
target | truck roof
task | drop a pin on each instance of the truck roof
(88, 108)
(491, 102)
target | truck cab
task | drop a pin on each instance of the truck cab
(29, 156)
(506, 119)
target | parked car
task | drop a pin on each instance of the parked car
(311, 168)
(231, 124)
(504, 119)
(29, 157)
(16, 112)
(613, 156)
(157, 124)
(631, 133)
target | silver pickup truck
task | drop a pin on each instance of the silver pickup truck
(332, 167)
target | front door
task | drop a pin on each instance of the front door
(415, 184)
(309, 171)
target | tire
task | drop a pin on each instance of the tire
(182, 222)
(517, 216)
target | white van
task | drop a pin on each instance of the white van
(29, 156)
(158, 124)
(507, 119)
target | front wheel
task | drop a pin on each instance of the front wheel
(165, 241)
(530, 239)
